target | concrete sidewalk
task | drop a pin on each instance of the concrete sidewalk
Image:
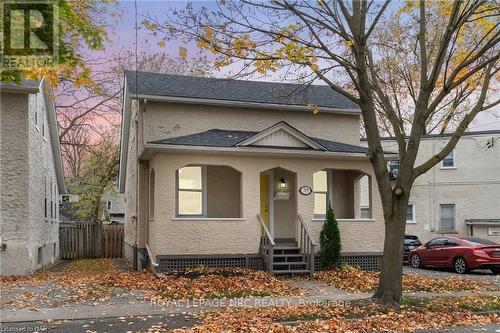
(194, 306)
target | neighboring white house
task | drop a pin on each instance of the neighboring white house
(31, 177)
(114, 205)
(460, 195)
(228, 173)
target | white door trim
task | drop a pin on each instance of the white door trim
(270, 204)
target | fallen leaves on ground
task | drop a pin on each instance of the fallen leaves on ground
(100, 280)
(355, 280)
(318, 318)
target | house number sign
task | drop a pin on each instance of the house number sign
(305, 190)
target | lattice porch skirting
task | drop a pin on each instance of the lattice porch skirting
(365, 261)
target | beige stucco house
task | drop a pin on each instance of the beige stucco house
(460, 195)
(31, 178)
(239, 173)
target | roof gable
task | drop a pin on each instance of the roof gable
(281, 135)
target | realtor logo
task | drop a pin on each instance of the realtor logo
(29, 34)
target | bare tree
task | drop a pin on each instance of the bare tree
(74, 151)
(85, 109)
(449, 46)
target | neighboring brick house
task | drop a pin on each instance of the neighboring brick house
(460, 195)
(31, 177)
(225, 173)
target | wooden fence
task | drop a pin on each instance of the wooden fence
(90, 240)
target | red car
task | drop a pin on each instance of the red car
(461, 254)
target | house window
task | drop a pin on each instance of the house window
(320, 188)
(51, 200)
(410, 213)
(393, 170)
(210, 191)
(45, 199)
(40, 256)
(152, 195)
(36, 116)
(449, 161)
(493, 231)
(365, 212)
(109, 205)
(190, 190)
(55, 200)
(447, 220)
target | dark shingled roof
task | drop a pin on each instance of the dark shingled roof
(228, 138)
(235, 90)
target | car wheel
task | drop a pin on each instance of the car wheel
(460, 265)
(415, 261)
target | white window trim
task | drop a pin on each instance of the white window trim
(322, 217)
(414, 220)
(203, 194)
(454, 162)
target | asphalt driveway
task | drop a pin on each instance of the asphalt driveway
(483, 275)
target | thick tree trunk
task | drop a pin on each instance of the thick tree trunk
(389, 291)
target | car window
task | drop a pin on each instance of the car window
(450, 242)
(480, 241)
(437, 242)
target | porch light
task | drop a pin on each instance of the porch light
(282, 184)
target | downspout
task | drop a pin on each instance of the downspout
(152, 260)
(432, 223)
(136, 215)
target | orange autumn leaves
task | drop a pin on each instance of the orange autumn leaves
(355, 280)
(363, 317)
(99, 280)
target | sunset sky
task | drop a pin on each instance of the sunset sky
(123, 37)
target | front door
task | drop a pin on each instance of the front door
(264, 198)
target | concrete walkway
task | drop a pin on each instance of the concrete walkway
(316, 293)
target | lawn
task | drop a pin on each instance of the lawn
(357, 281)
(101, 281)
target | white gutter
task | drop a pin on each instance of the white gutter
(251, 151)
(253, 105)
